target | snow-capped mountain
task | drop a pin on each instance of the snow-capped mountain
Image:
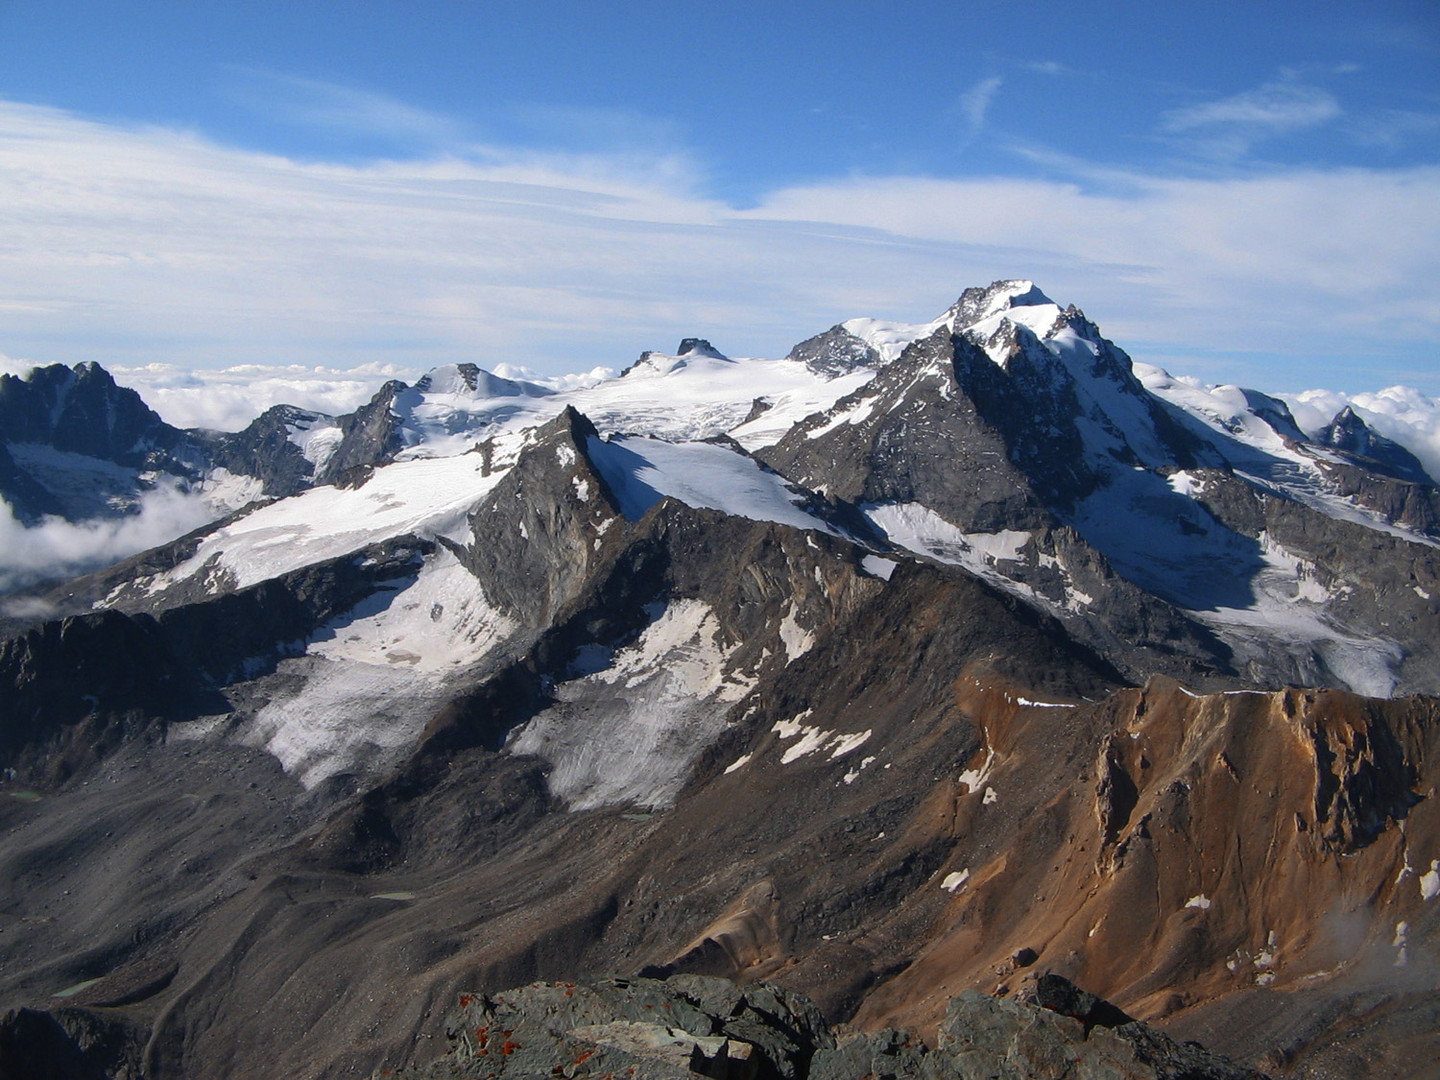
(871, 668)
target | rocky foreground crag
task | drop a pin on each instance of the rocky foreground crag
(691, 1025)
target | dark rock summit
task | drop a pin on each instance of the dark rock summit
(76, 445)
(1354, 438)
(81, 410)
(835, 352)
(267, 450)
(699, 347)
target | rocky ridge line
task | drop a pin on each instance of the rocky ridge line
(691, 1025)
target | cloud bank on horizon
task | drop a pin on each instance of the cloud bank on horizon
(133, 246)
(1246, 221)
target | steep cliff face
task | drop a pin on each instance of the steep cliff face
(81, 410)
(78, 446)
(283, 448)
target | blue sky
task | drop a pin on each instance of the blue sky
(1238, 194)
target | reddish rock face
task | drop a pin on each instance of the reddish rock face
(1215, 846)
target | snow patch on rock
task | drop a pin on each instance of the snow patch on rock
(1430, 882)
(704, 475)
(813, 740)
(954, 881)
(796, 639)
(427, 497)
(631, 732)
(369, 682)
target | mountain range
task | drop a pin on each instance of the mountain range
(927, 658)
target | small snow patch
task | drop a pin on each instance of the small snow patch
(1430, 883)
(953, 882)
(854, 774)
(738, 763)
(843, 744)
(856, 413)
(1200, 901)
(1183, 483)
(814, 739)
(973, 778)
(883, 568)
(788, 729)
(990, 797)
(811, 740)
(796, 639)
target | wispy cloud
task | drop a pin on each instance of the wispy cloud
(1392, 129)
(338, 109)
(1235, 263)
(975, 102)
(1276, 107)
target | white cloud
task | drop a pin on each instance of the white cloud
(1190, 264)
(137, 246)
(57, 548)
(975, 102)
(1400, 413)
(347, 110)
(1276, 107)
(227, 399)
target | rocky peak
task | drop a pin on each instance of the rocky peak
(469, 380)
(1274, 412)
(977, 304)
(449, 379)
(83, 411)
(699, 347)
(834, 353)
(653, 363)
(538, 533)
(1351, 436)
(274, 449)
(369, 435)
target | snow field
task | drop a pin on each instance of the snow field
(426, 496)
(703, 475)
(630, 731)
(373, 679)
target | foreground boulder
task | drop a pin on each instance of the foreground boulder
(691, 1025)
